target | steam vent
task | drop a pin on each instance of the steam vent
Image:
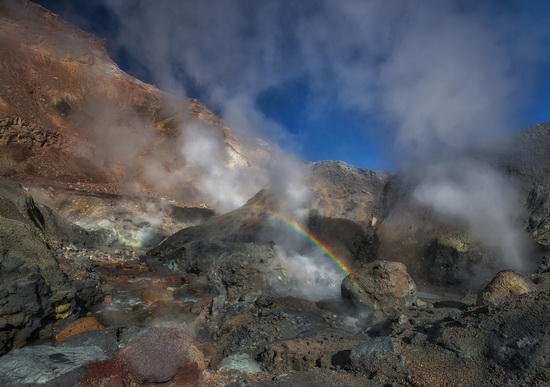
(162, 223)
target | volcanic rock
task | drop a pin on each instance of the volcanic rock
(347, 207)
(505, 285)
(106, 339)
(66, 110)
(506, 344)
(33, 288)
(39, 286)
(110, 372)
(83, 324)
(46, 365)
(375, 355)
(381, 287)
(538, 202)
(308, 352)
(452, 259)
(544, 267)
(159, 354)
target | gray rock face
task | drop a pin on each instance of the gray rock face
(381, 344)
(234, 269)
(382, 287)
(32, 285)
(452, 259)
(347, 192)
(46, 365)
(106, 339)
(34, 289)
(347, 207)
(538, 203)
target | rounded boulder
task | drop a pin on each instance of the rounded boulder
(163, 354)
(382, 287)
(506, 285)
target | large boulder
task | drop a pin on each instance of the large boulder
(381, 287)
(164, 354)
(506, 284)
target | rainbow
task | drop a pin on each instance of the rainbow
(324, 248)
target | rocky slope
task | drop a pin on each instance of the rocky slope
(141, 284)
(69, 117)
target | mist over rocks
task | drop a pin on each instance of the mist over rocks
(193, 243)
(439, 230)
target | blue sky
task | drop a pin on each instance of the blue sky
(373, 83)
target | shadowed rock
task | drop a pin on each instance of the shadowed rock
(32, 285)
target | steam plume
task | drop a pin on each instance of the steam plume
(445, 76)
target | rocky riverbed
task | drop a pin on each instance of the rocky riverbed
(123, 262)
(79, 311)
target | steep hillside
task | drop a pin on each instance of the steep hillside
(69, 117)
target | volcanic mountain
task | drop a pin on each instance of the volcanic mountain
(127, 259)
(71, 118)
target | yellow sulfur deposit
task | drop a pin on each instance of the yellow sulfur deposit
(62, 311)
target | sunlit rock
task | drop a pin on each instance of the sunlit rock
(381, 287)
(506, 284)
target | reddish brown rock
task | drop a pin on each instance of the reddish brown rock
(106, 373)
(83, 324)
(164, 354)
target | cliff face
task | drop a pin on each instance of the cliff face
(69, 116)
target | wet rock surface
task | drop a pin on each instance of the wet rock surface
(47, 365)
